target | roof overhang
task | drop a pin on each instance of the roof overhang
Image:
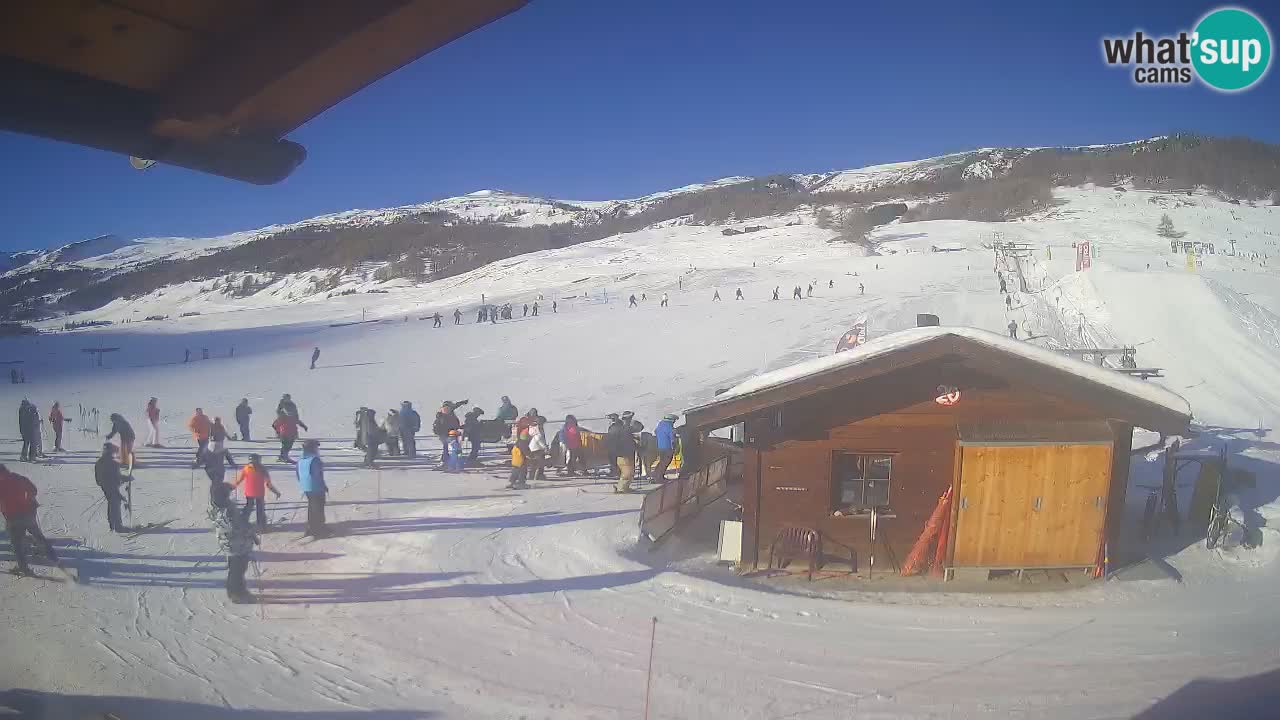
(208, 85)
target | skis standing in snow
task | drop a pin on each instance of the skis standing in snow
(106, 473)
(18, 505)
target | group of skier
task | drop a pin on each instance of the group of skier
(29, 429)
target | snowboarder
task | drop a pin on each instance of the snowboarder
(632, 302)
(1008, 302)
(795, 293)
(665, 300)
(243, 411)
(391, 432)
(665, 434)
(410, 424)
(311, 482)
(471, 430)
(457, 316)
(453, 451)
(18, 505)
(106, 473)
(861, 288)
(152, 413)
(286, 427)
(236, 538)
(809, 292)
(716, 296)
(535, 309)
(738, 294)
(437, 320)
(57, 422)
(200, 427)
(571, 438)
(256, 481)
(27, 429)
(537, 449)
(526, 310)
(775, 293)
(315, 355)
(287, 405)
(445, 421)
(121, 427)
(1013, 329)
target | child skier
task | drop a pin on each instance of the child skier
(517, 468)
(236, 538)
(455, 462)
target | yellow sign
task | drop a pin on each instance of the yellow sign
(1191, 260)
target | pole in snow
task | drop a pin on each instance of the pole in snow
(648, 683)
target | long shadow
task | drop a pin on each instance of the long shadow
(41, 705)
(429, 524)
(323, 367)
(1255, 696)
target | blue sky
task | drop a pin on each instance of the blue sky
(591, 100)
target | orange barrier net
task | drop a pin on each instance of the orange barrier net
(933, 529)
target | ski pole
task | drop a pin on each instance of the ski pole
(648, 683)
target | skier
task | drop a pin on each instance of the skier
(518, 474)
(391, 432)
(57, 421)
(256, 481)
(286, 427)
(243, 411)
(315, 355)
(445, 421)
(738, 294)
(831, 284)
(1008, 302)
(537, 448)
(507, 412)
(471, 430)
(311, 481)
(535, 309)
(18, 505)
(555, 305)
(218, 441)
(665, 300)
(809, 292)
(215, 468)
(27, 430)
(359, 424)
(571, 438)
(493, 314)
(186, 355)
(200, 427)
(526, 310)
(152, 413)
(861, 288)
(437, 321)
(775, 293)
(1013, 329)
(632, 303)
(372, 436)
(795, 293)
(665, 433)
(1003, 287)
(457, 316)
(716, 296)
(287, 406)
(236, 538)
(621, 445)
(121, 427)
(455, 463)
(106, 472)
(609, 444)
(204, 353)
(410, 424)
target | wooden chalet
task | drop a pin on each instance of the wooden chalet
(1036, 446)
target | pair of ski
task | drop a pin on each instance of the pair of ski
(66, 575)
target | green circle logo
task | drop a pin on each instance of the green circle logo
(1232, 49)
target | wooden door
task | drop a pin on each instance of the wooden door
(1037, 505)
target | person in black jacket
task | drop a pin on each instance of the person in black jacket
(410, 424)
(445, 421)
(243, 411)
(121, 427)
(611, 443)
(621, 445)
(287, 406)
(471, 429)
(27, 429)
(106, 472)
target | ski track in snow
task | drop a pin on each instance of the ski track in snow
(447, 594)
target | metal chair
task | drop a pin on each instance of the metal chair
(797, 542)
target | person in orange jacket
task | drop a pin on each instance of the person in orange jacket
(199, 425)
(256, 481)
(56, 420)
(286, 427)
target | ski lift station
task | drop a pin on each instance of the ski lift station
(1009, 456)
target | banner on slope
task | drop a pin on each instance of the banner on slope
(856, 336)
(1084, 255)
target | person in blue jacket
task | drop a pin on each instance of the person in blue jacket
(311, 481)
(410, 424)
(665, 434)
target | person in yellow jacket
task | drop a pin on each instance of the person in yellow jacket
(517, 467)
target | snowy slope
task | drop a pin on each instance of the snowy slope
(449, 595)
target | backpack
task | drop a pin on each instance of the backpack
(437, 427)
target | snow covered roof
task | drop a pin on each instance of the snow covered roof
(1139, 402)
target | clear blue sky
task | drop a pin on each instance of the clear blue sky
(590, 100)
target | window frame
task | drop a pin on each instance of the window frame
(836, 501)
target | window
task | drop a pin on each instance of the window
(860, 482)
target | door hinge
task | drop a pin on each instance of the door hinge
(1036, 505)
(964, 503)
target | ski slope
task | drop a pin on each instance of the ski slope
(450, 596)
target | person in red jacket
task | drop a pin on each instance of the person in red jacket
(256, 481)
(56, 421)
(286, 427)
(18, 505)
(153, 423)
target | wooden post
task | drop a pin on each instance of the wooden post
(648, 683)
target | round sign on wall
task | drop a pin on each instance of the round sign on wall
(948, 395)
